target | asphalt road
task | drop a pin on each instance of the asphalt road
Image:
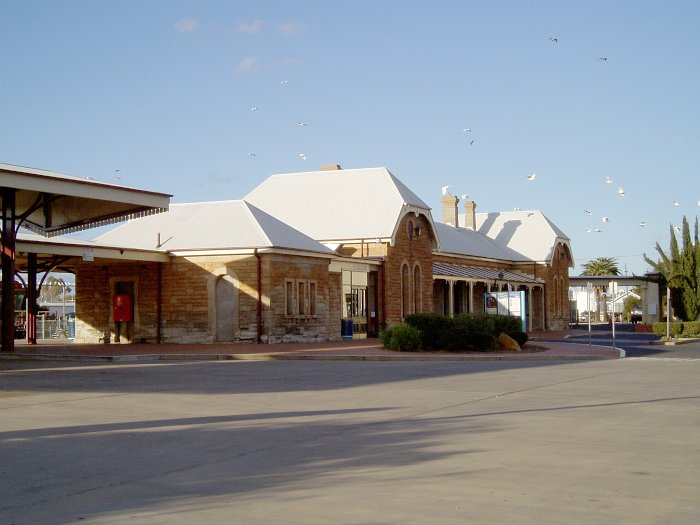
(637, 344)
(310, 442)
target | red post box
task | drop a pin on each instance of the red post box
(122, 307)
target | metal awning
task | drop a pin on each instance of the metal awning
(479, 273)
(52, 203)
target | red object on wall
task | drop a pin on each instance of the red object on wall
(122, 307)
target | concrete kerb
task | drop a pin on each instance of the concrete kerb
(554, 351)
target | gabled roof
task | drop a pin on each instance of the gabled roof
(210, 226)
(527, 233)
(338, 205)
(468, 242)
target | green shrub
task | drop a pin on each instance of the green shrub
(385, 336)
(691, 329)
(506, 323)
(675, 329)
(472, 331)
(434, 329)
(482, 341)
(402, 337)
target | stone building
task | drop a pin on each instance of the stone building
(303, 254)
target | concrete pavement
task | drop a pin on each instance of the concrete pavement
(352, 442)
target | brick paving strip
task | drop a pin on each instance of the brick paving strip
(361, 349)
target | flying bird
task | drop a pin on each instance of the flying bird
(608, 180)
(606, 219)
(302, 156)
(621, 192)
(254, 108)
(302, 124)
(466, 130)
(642, 224)
(589, 230)
(603, 59)
(553, 39)
(471, 142)
(251, 154)
(588, 211)
(465, 196)
(676, 203)
(284, 82)
(677, 228)
(597, 230)
(531, 177)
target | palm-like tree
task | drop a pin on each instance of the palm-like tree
(599, 267)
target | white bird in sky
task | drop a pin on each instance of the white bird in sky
(589, 230)
(284, 82)
(676, 203)
(302, 156)
(642, 224)
(608, 180)
(251, 154)
(606, 219)
(465, 196)
(531, 177)
(445, 190)
(588, 211)
(303, 124)
(621, 192)
(553, 39)
(466, 130)
(677, 228)
(597, 230)
(254, 108)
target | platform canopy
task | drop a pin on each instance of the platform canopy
(52, 203)
(49, 204)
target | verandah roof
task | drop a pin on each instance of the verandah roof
(479, 273)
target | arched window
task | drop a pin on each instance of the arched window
(405, 291)
(417, 289)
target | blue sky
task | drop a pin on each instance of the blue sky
(162, 91)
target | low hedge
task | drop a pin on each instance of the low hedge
(402, 337)
(475, 331)
(691, 329)
(675, 329)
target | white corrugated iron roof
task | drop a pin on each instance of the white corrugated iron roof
(527, 233)
(468, 242)
(337, 204)
(203, 226)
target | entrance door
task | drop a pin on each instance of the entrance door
(225, 309)
(355, 295)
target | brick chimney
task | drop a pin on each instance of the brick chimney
(449, 210)
(470, 215)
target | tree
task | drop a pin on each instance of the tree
(681, 271)
(601, 266)
(598, 267)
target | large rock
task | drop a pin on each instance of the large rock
(507, 343)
